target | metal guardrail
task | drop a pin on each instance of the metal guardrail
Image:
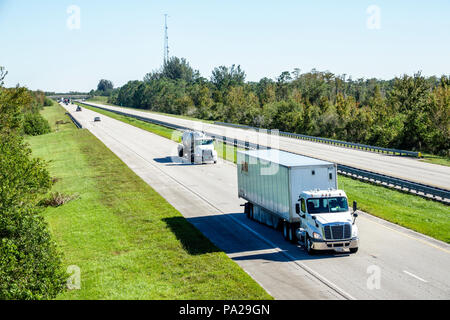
(438, 194)
(339, 143)
(75, 121)
(415, 188)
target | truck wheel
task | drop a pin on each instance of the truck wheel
(353, 250)
(308, 246)
(292, 235)
(181, 153)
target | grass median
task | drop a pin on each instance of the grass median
(128, 241)
(422, 215)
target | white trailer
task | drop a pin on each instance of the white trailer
(298, 194)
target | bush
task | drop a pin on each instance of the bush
(35, 125)
(30, 265)
(48, 102)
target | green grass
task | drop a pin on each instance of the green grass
(99, 99)
(425, 216)
(430, 158)
(128, 241)
(55, 114)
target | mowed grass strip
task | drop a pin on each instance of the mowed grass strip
(440, 160)
(127, 240)
(422, 215)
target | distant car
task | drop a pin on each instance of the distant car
(97, 119)
(79, 109)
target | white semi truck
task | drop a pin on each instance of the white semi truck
(197, 147)
(299, 195)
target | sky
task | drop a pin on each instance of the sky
(45, 45)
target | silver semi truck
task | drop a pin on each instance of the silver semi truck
(299, 195)
(196, 147)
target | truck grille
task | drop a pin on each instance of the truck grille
(207, 153)
(338, 232)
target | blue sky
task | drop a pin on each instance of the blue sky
(123, 40)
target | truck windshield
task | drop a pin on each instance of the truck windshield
(327, 205)
(206, 142)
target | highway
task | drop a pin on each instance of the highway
(394, 166)
(409, 265)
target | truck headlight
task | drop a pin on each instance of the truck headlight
(316, 235)
(354, 232)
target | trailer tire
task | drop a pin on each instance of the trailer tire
(292, 235)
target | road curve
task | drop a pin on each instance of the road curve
(400, 167)
(409, 265)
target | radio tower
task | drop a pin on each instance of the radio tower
(166, 41)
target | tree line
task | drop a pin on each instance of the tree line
(30, 264)
(409, 112)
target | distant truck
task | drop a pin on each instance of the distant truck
(196, 147)
(298, 195)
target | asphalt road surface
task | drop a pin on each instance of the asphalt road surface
(400, 167)
(392, 263)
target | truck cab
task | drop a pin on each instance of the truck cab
(197, 147)
(326, 221)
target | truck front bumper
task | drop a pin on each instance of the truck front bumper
(331, 245)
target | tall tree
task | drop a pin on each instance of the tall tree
(224, 78)
(105, 85)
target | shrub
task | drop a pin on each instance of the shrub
(35, 125)
(48, 102)
(30, 265)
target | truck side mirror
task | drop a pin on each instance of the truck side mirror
(297, 208)
(355, 206)
(355, 215)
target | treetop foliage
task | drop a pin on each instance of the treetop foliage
(408, 112)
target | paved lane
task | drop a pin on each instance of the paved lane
(411, 266)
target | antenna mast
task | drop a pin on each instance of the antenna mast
(166, 41)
